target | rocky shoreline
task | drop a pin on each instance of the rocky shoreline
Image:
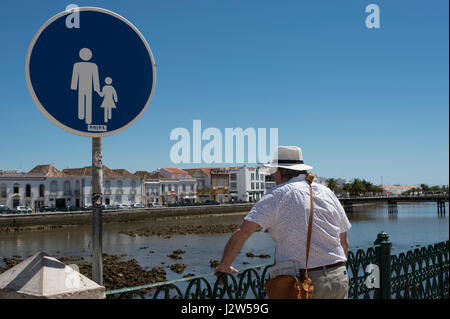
(169, 230)
(119, 272)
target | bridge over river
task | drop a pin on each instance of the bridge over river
(392, 201)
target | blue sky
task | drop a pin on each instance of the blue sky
(360, 102)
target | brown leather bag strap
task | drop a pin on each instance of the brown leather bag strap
(309, 178)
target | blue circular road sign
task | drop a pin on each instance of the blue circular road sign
(90, 72)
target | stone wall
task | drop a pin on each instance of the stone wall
(83, 218)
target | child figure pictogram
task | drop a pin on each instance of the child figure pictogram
(109, 98)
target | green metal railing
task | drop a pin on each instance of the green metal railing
(373, 272)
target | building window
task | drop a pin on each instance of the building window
(133, 184)
(233, 185)
(253, 176)
(107, 185)
(262, 177)
(66, 188)
(28, 190)
(119, 184)
(3, 190)
(16, 188)
(233, 177)
(53, 186)
(253, 185)
(41, 190)
(162, 188)
(257, 176)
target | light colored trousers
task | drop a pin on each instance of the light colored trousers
(331, 283)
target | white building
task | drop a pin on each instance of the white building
(396, 190)
(247, 184)
(170, 185)
(119, 186)
(45, 185)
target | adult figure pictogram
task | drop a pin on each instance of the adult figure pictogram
(84, 78)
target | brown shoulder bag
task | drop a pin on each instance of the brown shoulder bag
(291, 287)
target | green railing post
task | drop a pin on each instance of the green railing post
(383, 258)
(441, 273)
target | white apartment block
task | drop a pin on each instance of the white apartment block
(247, 184)
(45, 185)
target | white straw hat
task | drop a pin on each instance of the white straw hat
(289, 157)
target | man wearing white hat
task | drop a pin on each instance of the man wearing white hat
(284, 212)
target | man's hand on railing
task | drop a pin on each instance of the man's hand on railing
(223, 269)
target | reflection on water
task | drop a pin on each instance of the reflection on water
(413, 224)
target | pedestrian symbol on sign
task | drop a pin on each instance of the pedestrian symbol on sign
(85, 78)
(77, 77)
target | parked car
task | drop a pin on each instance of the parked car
(211, 202)
(23, 209)
(138, 206)
(124, 206)
(70, 209)
(108, 207)
(5, 209)
(155, 205)
(47, 209)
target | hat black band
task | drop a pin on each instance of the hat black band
(290, 162)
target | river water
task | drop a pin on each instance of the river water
(414, 224)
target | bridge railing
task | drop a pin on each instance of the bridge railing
(373, 274)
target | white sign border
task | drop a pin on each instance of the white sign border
(48, 115)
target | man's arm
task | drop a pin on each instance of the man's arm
(74, 83)
(95, 79)
(344, 242)
(234, 245)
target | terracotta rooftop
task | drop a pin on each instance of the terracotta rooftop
(47, 170)
(193, 171)
(107, 172)
(123, 173)
(143, 174)
(175, 170)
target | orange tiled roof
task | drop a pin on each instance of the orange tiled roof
(47, 170)
(123, 173)
(143, 174)
(193, 171)
(107, 172)
(175, 170)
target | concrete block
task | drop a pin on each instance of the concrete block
(44, 277)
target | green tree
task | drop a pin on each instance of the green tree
(333, 185)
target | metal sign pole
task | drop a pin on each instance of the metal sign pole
(97, 177)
